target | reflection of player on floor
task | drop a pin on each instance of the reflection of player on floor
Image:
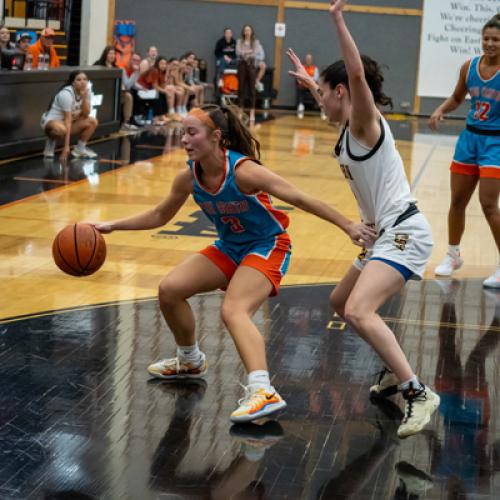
(349, 92)
(248, 260)
(477, 153)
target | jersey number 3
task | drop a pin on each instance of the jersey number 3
(482, 109)
(234, 224)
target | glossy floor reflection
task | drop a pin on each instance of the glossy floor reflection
(81, 420)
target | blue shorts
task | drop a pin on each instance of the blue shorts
(405, 272)
(271, 257)
(477, 155)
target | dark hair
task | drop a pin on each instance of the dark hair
(336, 73)
(252, 38)
(158, 60)
(494, 22)
(102, 60)
(71, 78)
(235, 135)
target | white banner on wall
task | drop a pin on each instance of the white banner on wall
(451, 34)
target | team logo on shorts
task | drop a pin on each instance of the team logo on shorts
(400, 240)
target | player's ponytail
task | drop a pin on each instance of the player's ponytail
(235, 135)
(336, 73)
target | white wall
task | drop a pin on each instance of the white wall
(1, 10)
(94, 33)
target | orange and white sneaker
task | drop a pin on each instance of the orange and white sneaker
(257, 404)
(173, 368)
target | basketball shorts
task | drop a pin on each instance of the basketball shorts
(477, 155)
(408, 244)
(271, 257)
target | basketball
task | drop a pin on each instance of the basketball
(79, 249)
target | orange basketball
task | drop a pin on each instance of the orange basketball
(79, 249)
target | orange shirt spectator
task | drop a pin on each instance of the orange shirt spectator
(45, 45)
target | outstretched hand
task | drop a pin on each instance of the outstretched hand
(336, 6)
(300, 72)
(361, 234)
(102, 227)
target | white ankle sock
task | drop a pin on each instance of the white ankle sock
(454, 250)
(81, 144)
(189, 353)
(413, 381)
(259, 378)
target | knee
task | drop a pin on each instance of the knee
(92, 122)
(458, 202)
(169, 292)
(354, 315)
(229, 311)
(489, 206)
(56, 130)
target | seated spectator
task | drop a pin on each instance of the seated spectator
(108, 57)
(225, 53)
(23, 45)
(69, 114)
(189, 78)
(148, 102)
(167, 92)
(45, 46)
(149, 61)
(174, 79)
(5, 42)
(302, 91)
(250, 59)
(130, 75)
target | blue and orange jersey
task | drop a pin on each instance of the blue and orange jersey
(238, 217)
(485, 98)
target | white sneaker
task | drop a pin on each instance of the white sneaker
(50, 148)
(257, 403)
(323, 116)
(387, 385)
(449, 264)
(173, 368)
(129, 127)
(494, 280)
(300, 108)
(259, 86)
(83, 152)
(419, 406)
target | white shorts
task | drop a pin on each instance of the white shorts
(408, 244)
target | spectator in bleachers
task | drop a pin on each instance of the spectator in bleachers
(108, 57)
(5, 42)
(108, 60)
(174, 80)
(45, 46)
(167, 93)
(303, 93)
(251, 68)
(193, 81)
(130, 74)
(149, 61)
(69, 114)
(225, 53)
(23, 46)
(148, 102)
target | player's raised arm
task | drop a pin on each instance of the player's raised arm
(363, 120)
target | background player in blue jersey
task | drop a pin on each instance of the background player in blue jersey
(477, 153)
(249, 258)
